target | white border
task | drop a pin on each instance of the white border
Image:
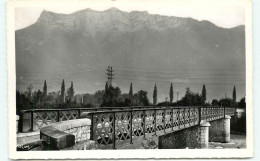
(122, 154)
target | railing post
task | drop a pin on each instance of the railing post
(172, 119)
(32, 120)
(58, 113)
(92, 128)
(178, 111)
(20, 125)
(155, 126)
(164, 121)
(224, 111)
(79, 112)
(184, 119)
(144, 123)
(114, 130)
(131, 127)
(206, 113)
(199, 114)
(189, 116)
(193, 115)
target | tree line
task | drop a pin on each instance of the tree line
(113, 97)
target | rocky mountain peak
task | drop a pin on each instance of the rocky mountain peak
(88, 20)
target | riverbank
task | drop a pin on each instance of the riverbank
(237, 142)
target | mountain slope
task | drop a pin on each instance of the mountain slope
(93, 39)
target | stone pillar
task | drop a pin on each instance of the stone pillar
(204, 134)
(226, 138)
(25, 121)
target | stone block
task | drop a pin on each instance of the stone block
(54, 139)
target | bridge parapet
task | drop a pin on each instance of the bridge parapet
(112, 129)
(116, 128)
(35, 119)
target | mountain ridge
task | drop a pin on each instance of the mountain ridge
(74, 20)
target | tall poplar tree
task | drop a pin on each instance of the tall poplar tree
(204, 94)
(70, 92)
(44, 90)
(131, 93)
(171, 94)
(155, 95)
(62, 91)
(234, 95)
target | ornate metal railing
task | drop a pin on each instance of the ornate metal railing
(34, 119)
(114, 128)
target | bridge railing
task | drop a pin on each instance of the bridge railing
(34, 119)
(110, 129)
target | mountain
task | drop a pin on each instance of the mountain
(89, 39)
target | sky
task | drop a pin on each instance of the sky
(222, 15)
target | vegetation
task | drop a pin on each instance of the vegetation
(131, 93)
(141, 99)
(155, 95)
(203, 94)
(112, 97)
(191, 99)
(214, 102)
(62, 91)
(234, 99)
(171, 93)
(70, 93)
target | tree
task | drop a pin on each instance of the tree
(131, 92)
(70, 93)
(204, 94)
(140, 98)
(29, 90)
(98, 97)
(111, 96)
(234, 99)
(190, 99)
(22, 102)
(155, 95)
(214, 102)
(106, 95)
(38, 97)
(62, 91)
(171, 93)
(226, 102)
(242, 103)
(44, 89)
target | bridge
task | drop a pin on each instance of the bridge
(128, 127)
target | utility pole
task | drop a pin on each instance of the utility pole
(110, 75)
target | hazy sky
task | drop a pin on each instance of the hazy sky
(223, 15)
